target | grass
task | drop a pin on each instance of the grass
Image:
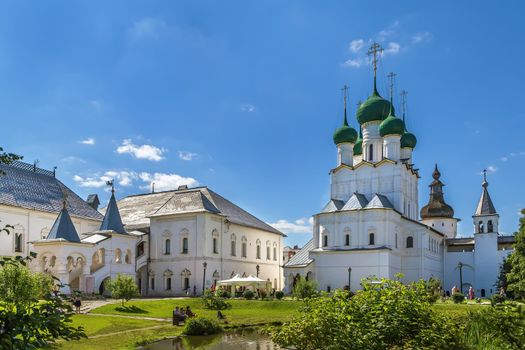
(456, 310)
(98, 325)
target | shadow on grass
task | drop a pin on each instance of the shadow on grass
(130, 309)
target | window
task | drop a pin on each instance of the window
(396, 240)
(233, 252)
(186, 283)
(140, 249)
(371, 152)
(167, 246)
(268, 257)
(233, 246)
(371, 239)
(152, 283)
(127, 258)
(118, 256)
(490, 226)
(184, 245)
(215, 251)
(168, 283)
(258, 256)
(410, 242)
(243, 249)
(347, 239)
(325, 240)
(480, 227)
(275, 253)
(18, 242)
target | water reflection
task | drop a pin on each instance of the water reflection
(242, 340)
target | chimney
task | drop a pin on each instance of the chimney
(182, 187)
(93, 201)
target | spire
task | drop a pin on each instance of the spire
(375, 50)
(345, 93)
(112, 220)
(436, 207)
(63, 227)
(404, 103)
(391, 76)
(485, 205)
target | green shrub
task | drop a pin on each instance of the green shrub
(248, 294)
(123, 287)
(458, 298)
(222, 293)
(279, 295)
(497, 299)
(213, 302)
(305, 289)
(201, 326)
(433, 286)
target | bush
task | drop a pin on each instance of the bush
(304, 289)
(279, 295)
(123, 287)
(497, 299)
(222, 293)
(458, 298)
(248, 294)
(433, 286)
(384, 315)
(201, 326)
(213, 302)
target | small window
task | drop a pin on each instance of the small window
(140, 249)
(233, 246)
(152, 283)
(268, 253)
(410, 242)
(480, 227)
(167, 246)
(396, 240)
(371, 239)
(258, 251)
(371, 152)
(325, 241)
(18, 242)
(185, 245)
(215, 251)
(168, 283)
(490, 226)
(347, 239)
(186, 283)
(243, 249)
(274, 253)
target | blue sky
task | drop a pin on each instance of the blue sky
(243, 96)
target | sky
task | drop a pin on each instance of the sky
(244, 96)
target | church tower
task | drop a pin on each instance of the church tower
(437, 213)
(345, 138)
(485, 218)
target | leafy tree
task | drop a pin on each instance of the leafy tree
(123, 287)
(504, 270)
(386, 314)
(433, 287)
(304, 288)
(30, 317)
(516, 276)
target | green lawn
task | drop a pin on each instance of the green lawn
(97, 325)
(454, 310)
(243, 312)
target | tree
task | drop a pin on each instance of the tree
(304, 288)
(7, 158)
(386, 314)
(30, 316)
(504, 270)
(516, 276)
(123, 287)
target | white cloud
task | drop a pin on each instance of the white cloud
(355, 62)
(164, 182)
(89, 141)
(356, 45)
(147, 28)
(148, 152)
(123, 178)
(187, 155)
(393, 48)
(423, 37)
(303, 225)
(72, 159)
(247, 108)
(504, 159)
(490, 169)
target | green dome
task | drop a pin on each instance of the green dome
(391, 126)
(345, 134)
(408, 140)
(374, 108)
(358, 147)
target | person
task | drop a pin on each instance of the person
(77, 304)
(178, 316)
(189, 313)
(471, 293)
(455, 290)
(221, 317)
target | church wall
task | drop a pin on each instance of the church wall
(487, 259)
(33, 224)
(451, 272)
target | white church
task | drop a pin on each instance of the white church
(372, 225)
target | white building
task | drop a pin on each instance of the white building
(370, 226)
(194, 237)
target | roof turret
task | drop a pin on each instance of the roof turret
(345, 134)
(436, 207)
(485, 205)
(63, 227)
(112, 220)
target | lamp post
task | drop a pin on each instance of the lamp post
(257, 268)
(204, 265)
(349, 278)
(460, 267)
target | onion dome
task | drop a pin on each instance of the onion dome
(358, 147)
(391, 126)
(408, 140)
(436, 207)
(345, 134)
(374, 108)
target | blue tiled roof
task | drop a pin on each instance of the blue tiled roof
(26, 186)
(112, 220)
(63, 228)
(302, 258)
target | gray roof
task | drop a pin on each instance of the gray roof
(302, 257)
(357, 201)
(26, 186)
(112, 220)
(485, 205)
(333, 205)
(135, 210)
(506, 239)
(379, 201)
(63, 228)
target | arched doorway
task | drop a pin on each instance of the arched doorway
(102, 288)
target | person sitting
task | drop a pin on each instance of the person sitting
(189, 313)
(178, 316)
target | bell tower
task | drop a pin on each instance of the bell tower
(485, 218)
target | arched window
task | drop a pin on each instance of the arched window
(153, 283)
(275, 251)
(167, 279)
(347, 239)
(258, 255)
(168, 283)
(215, 241)
(325, 240)
(410, 242)
(243, 247)
(127, 258)
(371, 152)
(233, 247)
(184, 245)
(481, 229)
(141, 249)
(396, 240)
(167, 246)
(490, 226)
(18, 239)
(371, 239)
(268, 257)
(185, 274)
(118, 256)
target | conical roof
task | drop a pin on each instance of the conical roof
(436, 207)
(112, 220)
(485, 205)
(63, 227)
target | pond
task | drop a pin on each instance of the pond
(248, 339)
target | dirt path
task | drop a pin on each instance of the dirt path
(135, 317)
